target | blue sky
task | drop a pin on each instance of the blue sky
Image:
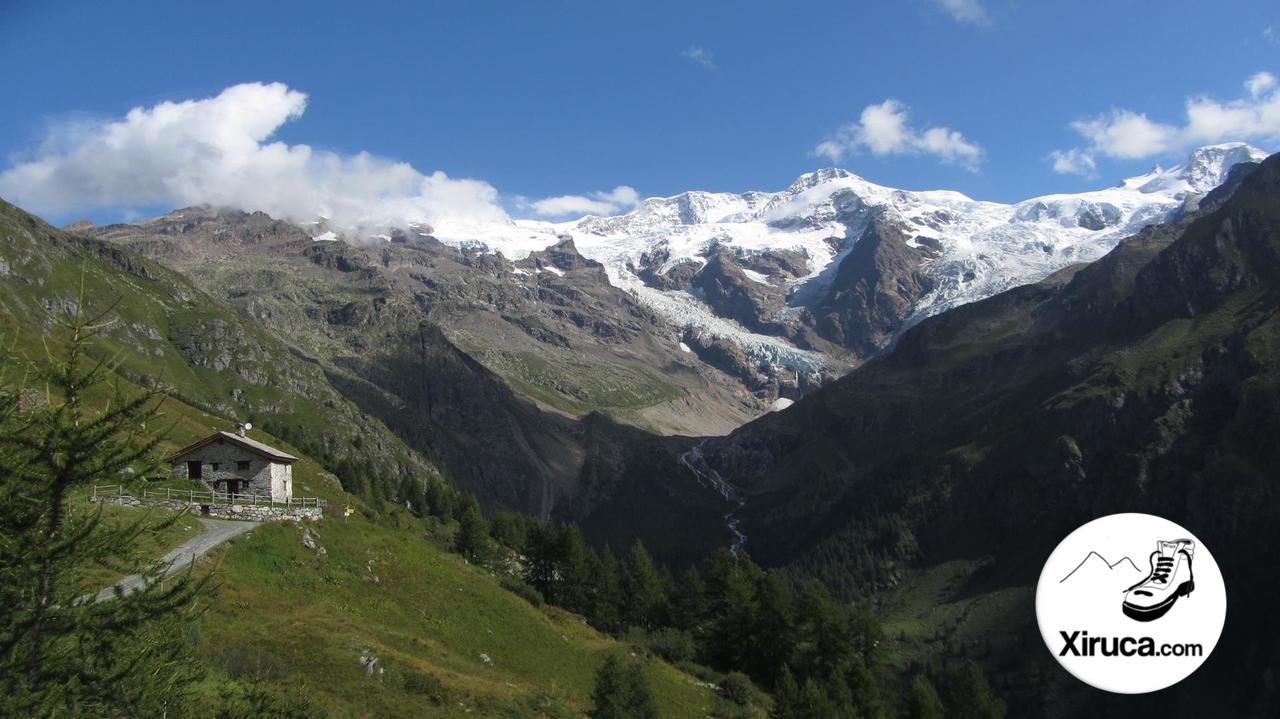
(541, 100)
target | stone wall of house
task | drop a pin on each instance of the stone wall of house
(222, 461)
(281, 479)
(250, 512)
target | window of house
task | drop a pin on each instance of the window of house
(242, 464)
(214, 465)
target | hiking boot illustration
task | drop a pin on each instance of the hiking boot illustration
(1169, 579)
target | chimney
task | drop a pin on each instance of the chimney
(242, 427)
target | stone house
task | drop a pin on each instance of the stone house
(235, 464)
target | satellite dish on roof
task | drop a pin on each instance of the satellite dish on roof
(248, 425)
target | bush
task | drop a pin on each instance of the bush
(737, 688)
(523, 590)
(621, 692)
(672, 645)
(699, 672)
(241, 662)
(425, 685)
(258, 699)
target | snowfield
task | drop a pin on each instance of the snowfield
(983, 248)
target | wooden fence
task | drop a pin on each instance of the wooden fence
(192, 496)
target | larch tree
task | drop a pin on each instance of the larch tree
(65, 651)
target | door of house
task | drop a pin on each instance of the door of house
(233, 486)
(195, 470)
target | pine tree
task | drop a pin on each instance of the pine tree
(510, 530)
(772, 629)
(439, 499)
(410, 493)
(61, 652)
(607, 607)
(643, 589)
(922, 700)
(689, 606)
(730, 607)
(853, 688)
(967, 695)
(865, 632)
(823, 644)
(352, 478)
(621, 692)
(576, 571)
(542, 558)
(472, 541)
(786, 695)
(793, 700)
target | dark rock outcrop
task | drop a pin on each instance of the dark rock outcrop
(874, 289)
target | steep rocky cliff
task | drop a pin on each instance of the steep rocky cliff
(1146, 381)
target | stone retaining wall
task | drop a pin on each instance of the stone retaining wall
(250, 512)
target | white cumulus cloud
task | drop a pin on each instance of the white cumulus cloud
(1260, 83)
(616, 200)
(1128, 135)
(966, 11)
(1073, 162)
(884, 129)
(218, 151)
(700, 55)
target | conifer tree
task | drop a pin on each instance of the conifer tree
(967, 695)
(472, 541)
(576, 571)
(689, 608)
(621, 692)
(730, 608)
(541, 558)
(607, 608)
(853, 688)
(439, 499)
(510, 530)
(772, 629)
(808, 700)
(643, 589)
(922, 700)
(63, 653)
(823, 641)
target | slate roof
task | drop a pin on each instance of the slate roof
(252, 445)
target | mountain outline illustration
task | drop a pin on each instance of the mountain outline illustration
(1109, 565)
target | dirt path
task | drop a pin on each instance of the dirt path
(216, 531)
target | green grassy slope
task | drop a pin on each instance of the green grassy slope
(394, 595)
(166, 333)
(385, 587)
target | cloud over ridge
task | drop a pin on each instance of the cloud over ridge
(884, 129)
(218, 151)
(616, 200)
(1124, 134)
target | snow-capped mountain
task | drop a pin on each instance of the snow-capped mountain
(781, 275)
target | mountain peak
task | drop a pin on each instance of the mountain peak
(817, 177)
(1207, 166)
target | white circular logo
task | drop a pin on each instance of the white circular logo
(1131, 603)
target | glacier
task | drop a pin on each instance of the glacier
(981, 248)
